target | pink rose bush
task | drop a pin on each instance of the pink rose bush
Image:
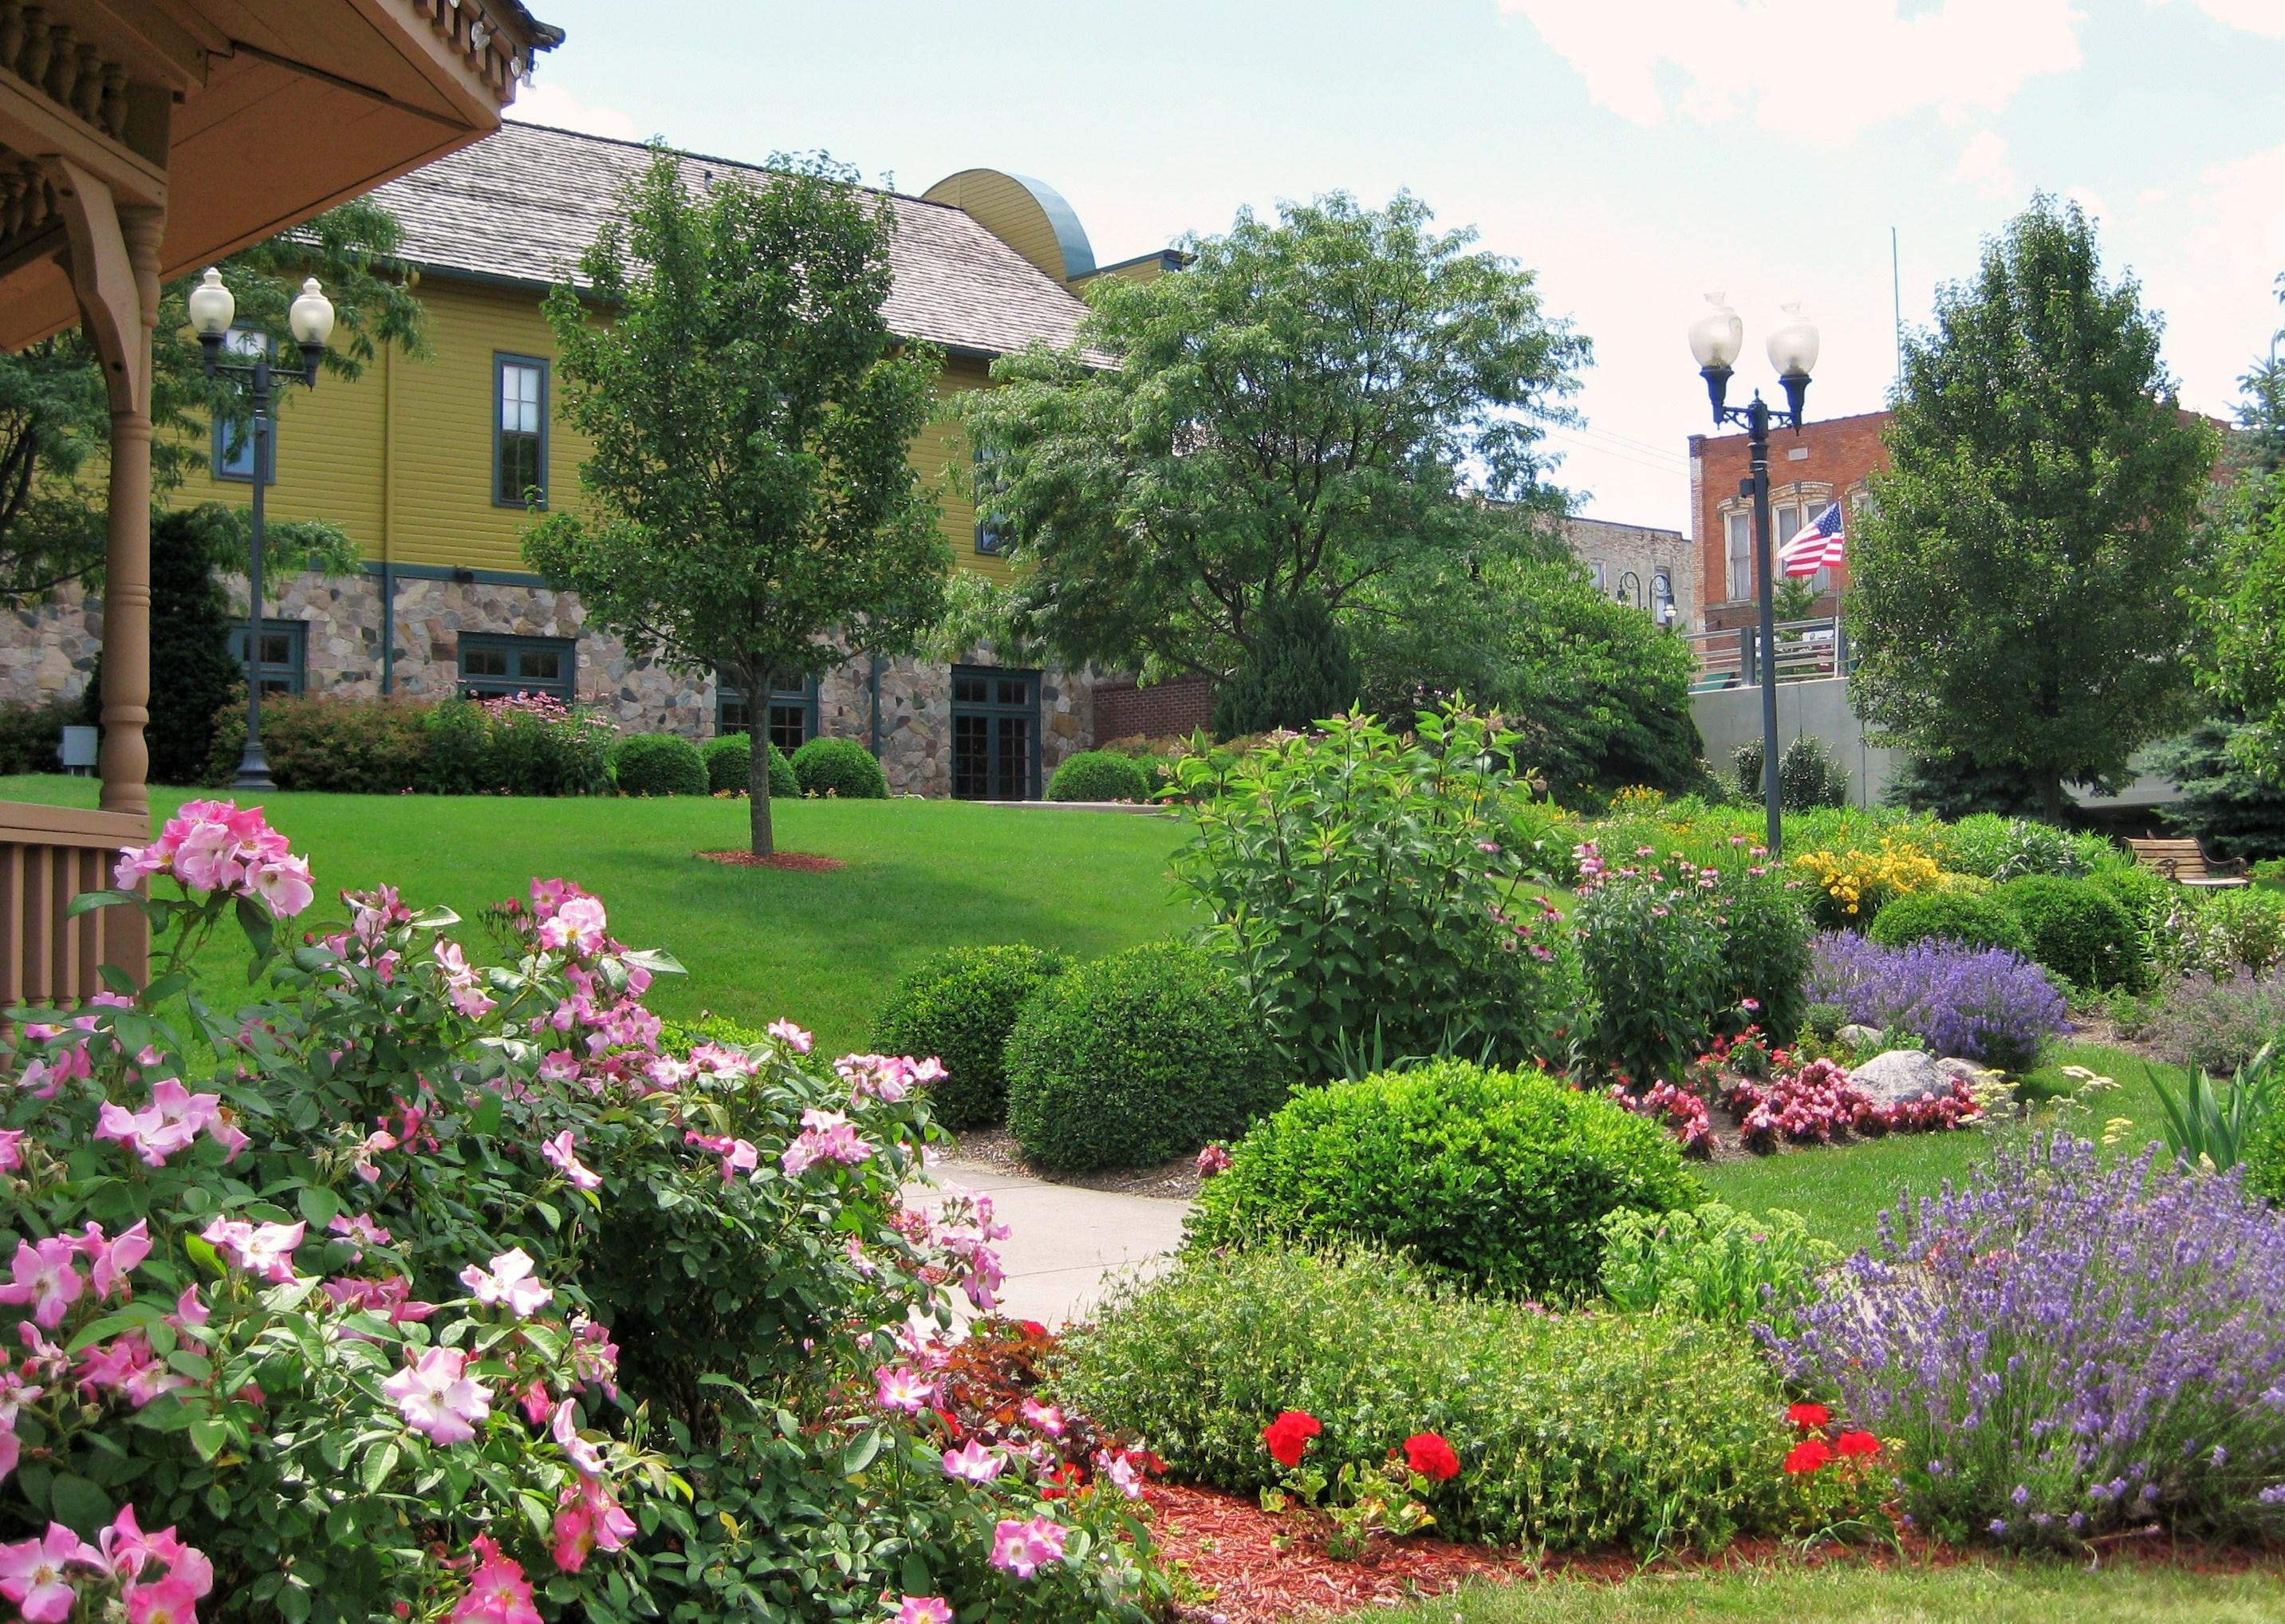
(440, 1284)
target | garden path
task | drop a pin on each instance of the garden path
(1064, 1244)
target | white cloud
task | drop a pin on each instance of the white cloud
(2217, 286)
(2088, 199)
(1812, 68)
(543, 103)
(1983, 165)
(2254, 16)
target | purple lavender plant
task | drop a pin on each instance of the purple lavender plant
(1982, 1004)
(2067, 1348)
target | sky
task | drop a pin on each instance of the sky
(1636, 154)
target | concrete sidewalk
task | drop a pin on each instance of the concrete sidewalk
(1064, 1243)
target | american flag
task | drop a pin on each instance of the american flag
(1814, 548)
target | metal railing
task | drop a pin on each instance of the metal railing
(1806, 651)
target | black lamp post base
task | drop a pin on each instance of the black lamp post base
(254, 770)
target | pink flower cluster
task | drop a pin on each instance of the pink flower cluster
(152, 1578)
(217, 846)
(264, 1251)
(825, 1136)
(173, 1119)
(1024, 1547)
(45, 1274)
(1683, 1113)
(887, 1078)
(1810, 1104)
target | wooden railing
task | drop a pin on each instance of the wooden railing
(49, 855)
(1807, 650)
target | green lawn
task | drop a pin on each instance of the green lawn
(1996, 1593)
(818, 948)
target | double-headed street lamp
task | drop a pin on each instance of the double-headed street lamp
(1716, 338)
(312, 319)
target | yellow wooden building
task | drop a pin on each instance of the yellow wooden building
(425, 463)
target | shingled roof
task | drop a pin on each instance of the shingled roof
(521, 205)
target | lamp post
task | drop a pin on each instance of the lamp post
(312, 320)
(1716, 338)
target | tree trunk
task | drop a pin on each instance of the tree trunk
(757, 791)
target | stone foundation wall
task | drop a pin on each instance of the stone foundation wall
(47, 653)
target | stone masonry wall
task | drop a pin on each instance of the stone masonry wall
(47, 653)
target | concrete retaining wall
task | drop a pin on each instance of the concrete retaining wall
(1727, 718)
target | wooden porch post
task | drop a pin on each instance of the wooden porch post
(114, 270)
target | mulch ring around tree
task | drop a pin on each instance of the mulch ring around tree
(799, 862)
(1229, 1550)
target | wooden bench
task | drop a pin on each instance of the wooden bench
(2182, 862)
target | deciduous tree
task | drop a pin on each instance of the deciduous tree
(749, 506)
(2015, 601)
(1292, 415)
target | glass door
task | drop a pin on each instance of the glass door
(995, 734)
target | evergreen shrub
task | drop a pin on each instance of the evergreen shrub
(842, 768)
(1100, 775)
(730, 761)
(959, 1005)
(2077, 930)
(648, 764)
(1132, 1059)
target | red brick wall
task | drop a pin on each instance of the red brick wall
(1164, 709)
(1843, 451)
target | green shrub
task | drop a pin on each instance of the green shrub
(1652, 948)
(1809, 775)
(1135, 1058)
(1714, 1263)
(2146, 897)
(1362, 883)
(1575, 1431)
(331, 742)
(1300, 670)
(1501, 1178)
(1996, 848)
(31, 734)
(2215, 932)
(659, 764)
(1764, 954)
(842, 768)
(1948, 916)
(730, 764)
(1099, 775)
(2076, 931)
(959, 1005)
(521, 744)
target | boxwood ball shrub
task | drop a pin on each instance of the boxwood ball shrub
(1574, 1430)
(1129, 1060)
(1099, 775)
(959, 1005)
(840, 768)
(730, 761)
(1949, 917)
(2076, 930)
(659, 764)
(1502, 1179)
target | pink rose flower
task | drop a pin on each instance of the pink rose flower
(35, 1573)
(560, 1157)
(972, 1462)
(1023, 1548)
(509, 1283)
(437, 1399)
(47, 1277)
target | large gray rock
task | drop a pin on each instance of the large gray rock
(1960, 1071)
(1901, 1075)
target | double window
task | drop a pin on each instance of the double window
(493, 667)
(790, 716)
(519, 431)
(282, 667)
(995, 733)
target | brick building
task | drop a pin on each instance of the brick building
(1825, 462)
(1656, 570)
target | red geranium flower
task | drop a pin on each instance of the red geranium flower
(1857, 1443)
(1290, 1434)
(1808, 1414)
(1808, 1455)
(1428, 1454)
(1064, 1478)
(1031, 1328)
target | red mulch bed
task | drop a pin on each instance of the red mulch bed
(799, 862)
(1226, 1544)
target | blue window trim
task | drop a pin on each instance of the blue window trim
(294, 673)
(502, 359)
(224, 431)
(565, 687)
